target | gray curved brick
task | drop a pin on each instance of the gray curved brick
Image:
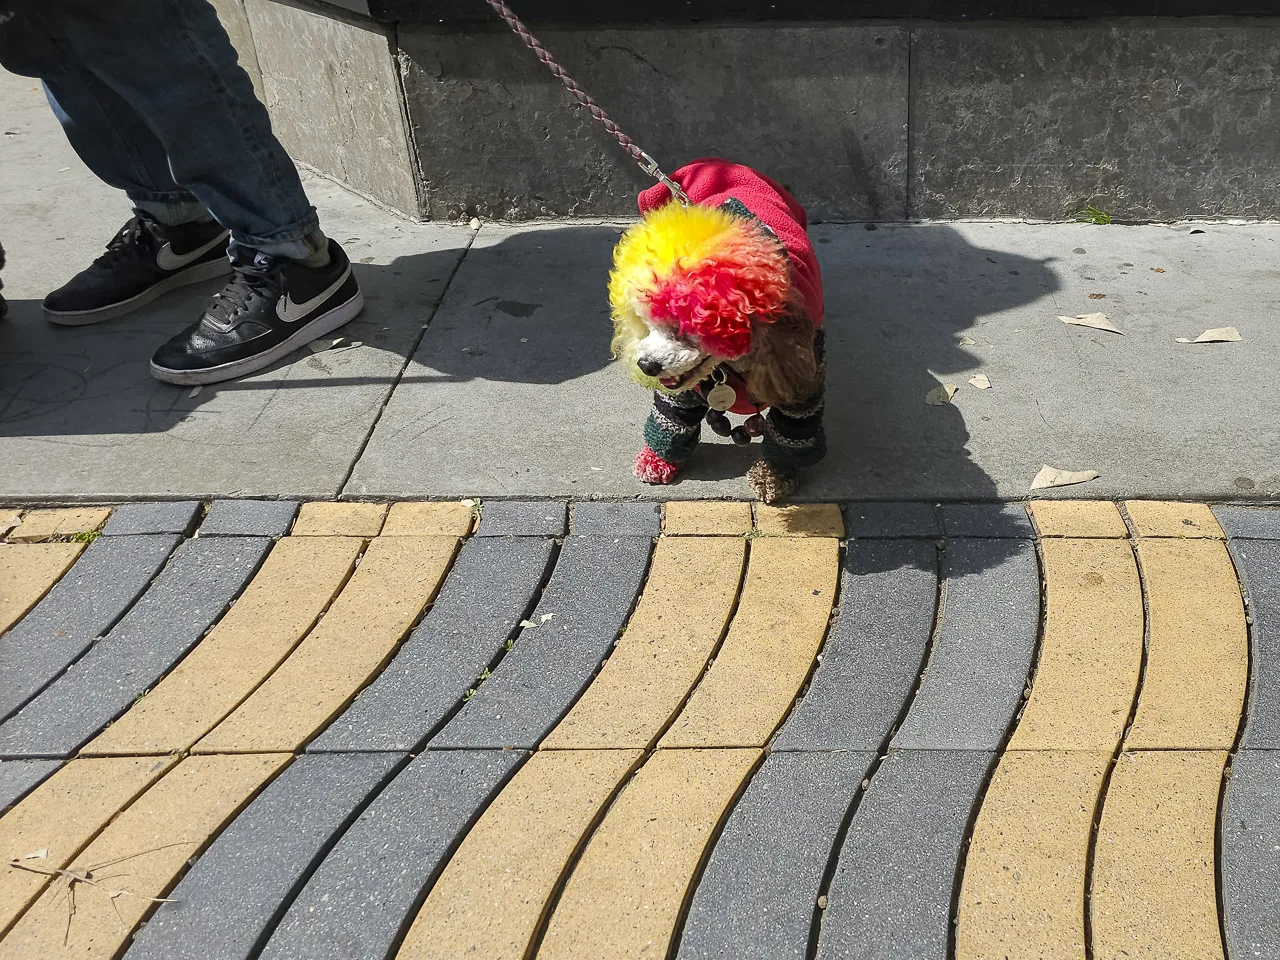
(249, 518)
(370, 886)
(229, 899)
(1251, 855)
(1258, 564)
(756, 899)
(863, 521)
(891, 895)
(488, 592)
(20, 777)
(990, 520)
(522, 518)
(197, 585)
(138, 518)
(874, 651)
(617, 519)
(81, 607)
(589, 597)
(978, 666)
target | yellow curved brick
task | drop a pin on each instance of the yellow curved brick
(27, 571)
(491, 896)
(682, 614)
(325, 519)
(143, 851)
(1153, 891)
(766, 657)
(428, 519)
(297, 581)
(1077, 518)
(1197, 653)
(624, 898)
(706, 518)
(396, 580)
(59, 522)
(1167, 518)
(1091, 653)
(800, 520)
(62, 815)
(1022, 896)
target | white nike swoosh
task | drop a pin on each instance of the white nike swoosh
(166, 259)
(289, 312)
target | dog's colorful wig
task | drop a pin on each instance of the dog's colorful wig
(703, 270)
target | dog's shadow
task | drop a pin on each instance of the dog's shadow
(899, 300)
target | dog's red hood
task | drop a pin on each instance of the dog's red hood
(711, 181)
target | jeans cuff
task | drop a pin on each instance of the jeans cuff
(171, 209)
(295, 242)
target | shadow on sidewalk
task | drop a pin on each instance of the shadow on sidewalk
(529, 308)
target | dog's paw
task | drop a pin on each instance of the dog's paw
(651, 468)
(769, 485)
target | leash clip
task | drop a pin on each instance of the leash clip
(650, 166)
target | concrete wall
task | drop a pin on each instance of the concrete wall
(332, 86)
(236, 23)
(821, 109)
(1147, 119)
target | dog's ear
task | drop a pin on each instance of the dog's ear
(783, 367)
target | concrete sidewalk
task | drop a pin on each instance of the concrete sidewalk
(482, 367)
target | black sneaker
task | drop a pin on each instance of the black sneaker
(142, 261)
(268, 309)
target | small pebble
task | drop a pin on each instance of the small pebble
(475, 223)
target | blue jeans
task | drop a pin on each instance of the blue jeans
(152, 98)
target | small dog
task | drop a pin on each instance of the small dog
(717, 307)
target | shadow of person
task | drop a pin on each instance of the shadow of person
(497, 361)
(94, 381)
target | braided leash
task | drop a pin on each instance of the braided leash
(646, 162)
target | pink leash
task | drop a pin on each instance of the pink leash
(646, 162)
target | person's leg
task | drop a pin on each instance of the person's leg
(192, 92)
(172, 62)
(105, 131)
(175, 242)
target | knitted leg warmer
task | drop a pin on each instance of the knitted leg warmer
(671, 434)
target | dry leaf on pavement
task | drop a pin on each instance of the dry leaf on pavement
(1099, 321)
(1053, 477)
(981, 381)
(968, 342)
(1216, 335)
(941, 395)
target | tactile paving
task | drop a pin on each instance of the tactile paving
(84, 605)
(979, 663)
(873, 654)
(759, 893)
(201, 579)
(367, 889)
(490, 588)
(577, 620)
(229, 898)
(890, 898)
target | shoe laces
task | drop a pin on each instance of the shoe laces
(251, 277)
(138, 232)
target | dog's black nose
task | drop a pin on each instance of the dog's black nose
(650, 368)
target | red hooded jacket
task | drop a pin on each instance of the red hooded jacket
(711, 181)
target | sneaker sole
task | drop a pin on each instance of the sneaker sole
(325, 323)
(197, 274)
